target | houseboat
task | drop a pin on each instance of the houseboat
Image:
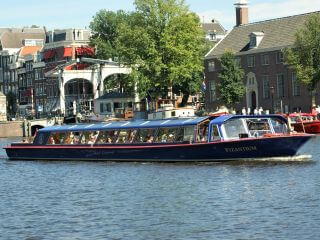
(204, 139)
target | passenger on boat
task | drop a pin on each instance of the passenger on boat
(150, 139)
(171, 138)
(92, 139)
(132, 136)
(67, 140)
(51, 140)
(266, 126)
(164, 138)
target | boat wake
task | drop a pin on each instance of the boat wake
(297, 158)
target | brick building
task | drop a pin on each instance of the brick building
(258, 47)
(15, 44)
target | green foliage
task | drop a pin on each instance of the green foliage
(304, 56)
(162, 41)
(231, 84)
(105, 26)
(119, 81)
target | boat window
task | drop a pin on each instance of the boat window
(56, 138)
(179, 135)
(188, 133)
(75, 137)
(234, 128)
(215, 136)
(123, 136)
(167, 135)
(107, 137)
(279, 126)
(70, 138)
(89, 137)
(202, 134)
(258, 126)
(145, 135)
(40, 138)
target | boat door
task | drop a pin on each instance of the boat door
(214, 133)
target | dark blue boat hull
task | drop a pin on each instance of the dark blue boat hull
(216, 151)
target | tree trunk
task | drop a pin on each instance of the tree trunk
(184, 99)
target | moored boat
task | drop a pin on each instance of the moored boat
(227, 137)
(305, 122)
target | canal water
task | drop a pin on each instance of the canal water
(101, 200)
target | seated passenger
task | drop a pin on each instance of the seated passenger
(164, 138)
(171, 138)
(51, 140)
(91, 139)
(150, 139)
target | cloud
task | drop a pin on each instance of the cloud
(262, 11)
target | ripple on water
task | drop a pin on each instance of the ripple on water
(92, 200)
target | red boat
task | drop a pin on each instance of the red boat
(304, 122)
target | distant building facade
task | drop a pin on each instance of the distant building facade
(15, 43)
(63, 46)
(258, 47)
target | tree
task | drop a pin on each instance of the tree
(231, 84)
(120, 81)
(105, 29)
(304, 56)
(162, 42)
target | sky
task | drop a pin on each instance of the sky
(60, 14)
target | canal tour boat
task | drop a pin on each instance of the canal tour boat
(203, 139)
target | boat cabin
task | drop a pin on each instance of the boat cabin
(166, 131)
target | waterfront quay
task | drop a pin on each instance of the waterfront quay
(108, 200)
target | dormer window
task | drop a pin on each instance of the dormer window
(255, 39)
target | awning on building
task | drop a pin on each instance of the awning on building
(85, 51)
(27, 92)
(67, 52)
(49, 54)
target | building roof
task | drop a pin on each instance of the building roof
(13, 38)
(111, 95)
(214, 27)
(27, 50)
(278, 33)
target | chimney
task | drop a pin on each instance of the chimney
(242, 12)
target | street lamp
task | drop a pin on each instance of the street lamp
(272, 104)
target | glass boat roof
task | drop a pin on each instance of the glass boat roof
(126, 124)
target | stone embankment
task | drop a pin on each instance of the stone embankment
(11, 129)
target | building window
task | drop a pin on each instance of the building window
(211, 66)
(253, 41)
(101, 107)
(279, 58)
(251, 81)
(251, 61)
(295, 85)
(280, 85)
(213, 95)
(265, 59)
(212, 37)
(238, 61)
(266, 87)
